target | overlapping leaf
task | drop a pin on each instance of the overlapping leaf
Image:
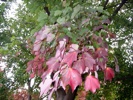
(45, 86)
(70, 57)
(89, 60)
(79, 66)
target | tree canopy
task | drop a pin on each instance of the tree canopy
(70, 48)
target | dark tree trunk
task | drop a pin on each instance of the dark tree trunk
(29, 90)
(62, 95)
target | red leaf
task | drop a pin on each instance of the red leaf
(29, 66)
(71, 77)
(109, 73)
(70, 57)
(32, 75)
(79, 66)
(91, 83)
(89, 60)
(101, 52)
(53, 63)
(61, 48)
(42, 34)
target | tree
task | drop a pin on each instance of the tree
(75, 41)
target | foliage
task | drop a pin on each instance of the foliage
(77, 53)
(73, 39)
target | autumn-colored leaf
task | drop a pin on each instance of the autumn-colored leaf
(79, 66)
(71, 77)
(37, 45)
(32, 75)
(70, 57)
(45, 86)
(109, 73)
(91, 83)
(89, 60)
(61, 48)
(53, 63)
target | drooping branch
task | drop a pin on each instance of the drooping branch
(105, 4)
(47, 10)
(104, 7)
(29, 90)
(118, 8)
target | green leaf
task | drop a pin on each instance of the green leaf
(57, 13)
(75, 11)
(67, 10)
(100, 9)
(61, 20)
(42, 16)
(83, 30)
(70, 34)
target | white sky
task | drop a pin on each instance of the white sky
(14, 6)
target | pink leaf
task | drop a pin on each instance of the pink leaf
(73, 47)
(42, 34)
(29, 64)
(91, 83)
(70, 57)
(50, 95)
(56, 79)
(71, 77)
(89, 60)
(53, 63)
(109, 73)
(61, 48)
(37, 45)
(79, 66)
(45, 86)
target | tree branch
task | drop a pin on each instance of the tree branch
(104, 7)
(47, 10)
(105, 4)
(118, 8)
